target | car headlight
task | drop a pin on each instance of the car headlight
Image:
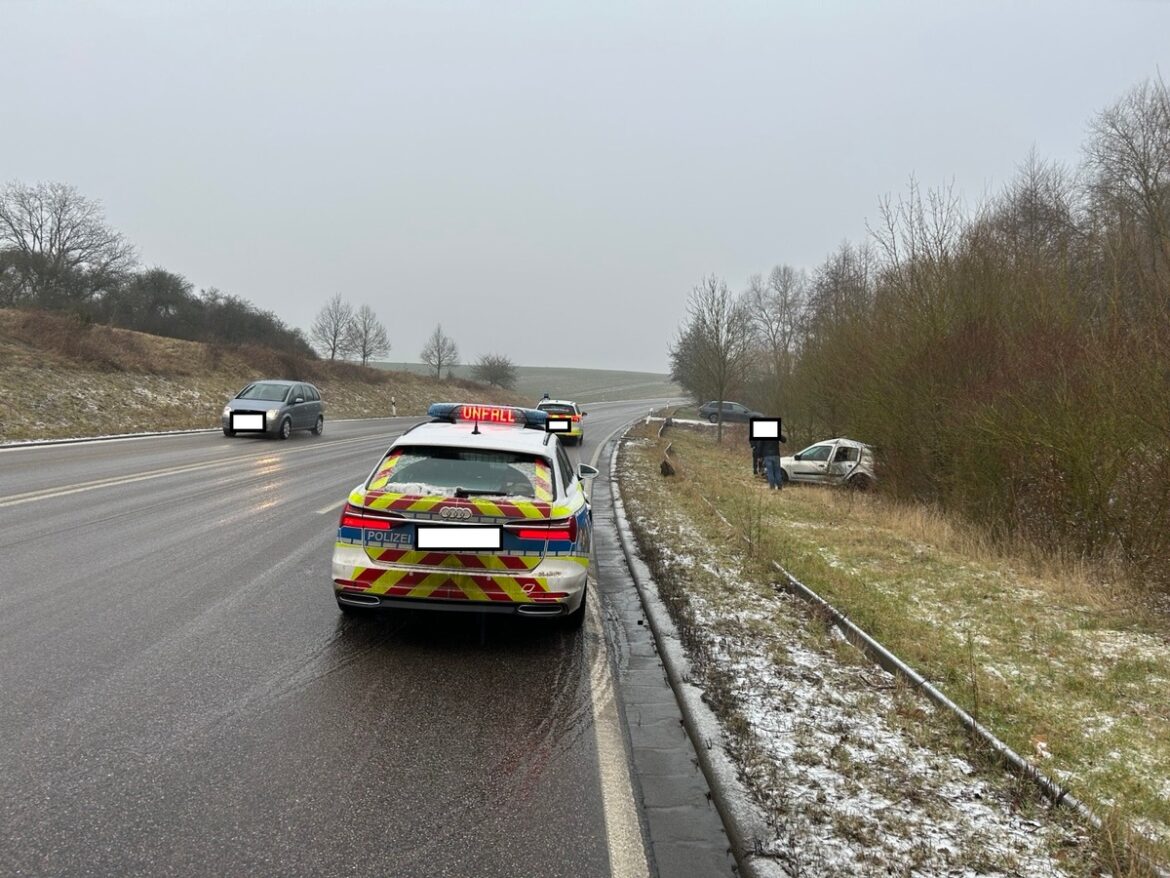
(272, 413)
(227, 411)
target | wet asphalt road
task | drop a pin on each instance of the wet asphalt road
(180, 696)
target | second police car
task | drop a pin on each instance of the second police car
(564, 417)
(479, 509)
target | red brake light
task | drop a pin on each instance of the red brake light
(353, 516)
(557, 530)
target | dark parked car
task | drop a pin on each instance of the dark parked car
(732, 411)
(274, 408)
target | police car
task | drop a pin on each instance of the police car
(564, 417)
(478, 509)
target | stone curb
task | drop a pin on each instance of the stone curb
(743, 821)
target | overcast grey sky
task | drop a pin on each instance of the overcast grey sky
(547, 179)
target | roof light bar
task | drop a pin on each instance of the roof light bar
(486, 413)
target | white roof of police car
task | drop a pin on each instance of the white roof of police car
(491, 436)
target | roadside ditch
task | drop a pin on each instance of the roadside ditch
(855, 771)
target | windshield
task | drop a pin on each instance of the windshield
(264, 390)
(424, 469)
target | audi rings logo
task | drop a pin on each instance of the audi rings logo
(455, 513)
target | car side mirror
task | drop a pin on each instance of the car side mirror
(299, 399)
(797, 457)
(585, 471)
(583, 414)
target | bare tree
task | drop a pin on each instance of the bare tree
(333, 327)
(495, 369)
(776, 307)
(440, 352)
(714, 350)
(59, 248)
(367, 336)
(1130, 154)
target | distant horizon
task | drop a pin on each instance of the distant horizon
(524, 366)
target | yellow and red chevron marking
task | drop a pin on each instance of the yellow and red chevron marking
(482, 506)
(542, 482)
(382, 476)
(415, 558)
(443, 584)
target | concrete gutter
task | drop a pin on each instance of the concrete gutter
(745, 823)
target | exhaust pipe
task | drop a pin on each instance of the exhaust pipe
(540, 609)
(361, 600)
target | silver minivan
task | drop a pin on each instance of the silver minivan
(274, 407)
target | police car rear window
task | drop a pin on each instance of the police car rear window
(558, 409)
(424, 469)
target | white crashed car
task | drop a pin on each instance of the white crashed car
(832, 462)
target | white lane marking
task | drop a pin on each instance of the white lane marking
(332, 507)
(623, 831)
(63, 491)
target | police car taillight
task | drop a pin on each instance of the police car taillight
(557, 530)
(355, 516)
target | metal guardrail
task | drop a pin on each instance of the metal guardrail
(1049, 788)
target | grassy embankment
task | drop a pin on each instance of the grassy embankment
(60, 378)
(1067, 666)
(580, 385)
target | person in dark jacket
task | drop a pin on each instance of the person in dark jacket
(770, 454)
(757, 465)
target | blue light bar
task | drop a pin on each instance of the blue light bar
(487, 413)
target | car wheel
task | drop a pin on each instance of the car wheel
(714, 419)
(784, 480)
(859, 483)
(229, 432)
(576, 619)
(320, 428)
(285, 429)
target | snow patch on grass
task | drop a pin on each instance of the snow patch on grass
(844, 759)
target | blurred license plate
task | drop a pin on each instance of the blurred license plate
(247, 422)
(458, 537)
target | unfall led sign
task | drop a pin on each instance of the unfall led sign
(491, 414)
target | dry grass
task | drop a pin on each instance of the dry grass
(60, 377)
(852, 767)
(1063, 661)
(1065, 576)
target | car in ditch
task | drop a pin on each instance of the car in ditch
(832, 462)
(478, 509)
